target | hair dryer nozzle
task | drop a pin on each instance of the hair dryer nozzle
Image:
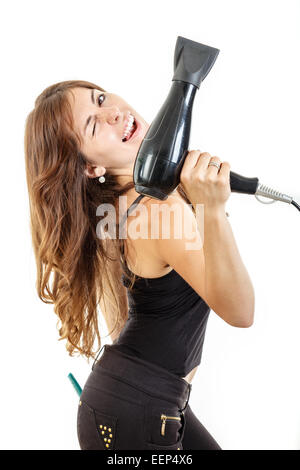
(162, 153)
(193, 61)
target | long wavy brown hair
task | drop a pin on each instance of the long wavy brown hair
(76, 270)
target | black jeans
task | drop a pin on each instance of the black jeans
(131, 404)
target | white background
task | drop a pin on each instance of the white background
(246, 391)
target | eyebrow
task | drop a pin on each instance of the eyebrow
(90, 117)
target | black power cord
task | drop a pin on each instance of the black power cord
(296, 205)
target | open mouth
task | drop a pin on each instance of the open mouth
(131, 133)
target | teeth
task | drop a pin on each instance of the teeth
(128, 130)
(128, 127)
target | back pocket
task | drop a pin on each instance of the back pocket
(96, 430)
(164, 427)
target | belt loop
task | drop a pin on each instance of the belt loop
(97, 356)
(187, 400)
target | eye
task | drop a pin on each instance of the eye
(98, 99)
(99, 102)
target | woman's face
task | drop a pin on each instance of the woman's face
(101, 119)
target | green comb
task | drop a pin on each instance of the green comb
(75, 384)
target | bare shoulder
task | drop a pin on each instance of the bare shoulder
(152, 220)
(180, 241)
(157, 215)
(173, 199)
(166, 219)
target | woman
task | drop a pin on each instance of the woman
(80, 153)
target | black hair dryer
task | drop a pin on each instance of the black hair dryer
(165, 146)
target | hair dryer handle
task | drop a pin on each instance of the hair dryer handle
(241, 184)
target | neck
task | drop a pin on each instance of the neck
(125, 175)
(124, 179)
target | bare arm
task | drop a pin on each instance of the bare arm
(110, 317)
(108, 305)
(227, 282)
(215, 271)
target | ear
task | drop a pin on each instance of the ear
(94, 171)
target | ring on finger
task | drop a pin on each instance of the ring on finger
(215, 164)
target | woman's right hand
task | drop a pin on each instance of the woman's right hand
(205, 184)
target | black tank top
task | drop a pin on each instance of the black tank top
(166, 320)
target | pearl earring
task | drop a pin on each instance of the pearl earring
(102, 179)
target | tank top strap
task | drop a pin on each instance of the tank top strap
(132, 206)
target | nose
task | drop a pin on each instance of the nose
(110, 115)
